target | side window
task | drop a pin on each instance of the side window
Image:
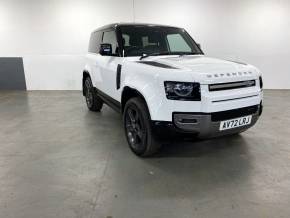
(145, 41)
(110, 37)
(150, 41)
(95, 41)
(126, 39)
(177, 43)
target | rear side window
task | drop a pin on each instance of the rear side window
(95, 41)
(110, 38)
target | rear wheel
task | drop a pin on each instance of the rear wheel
(94, 102)
(138, 129)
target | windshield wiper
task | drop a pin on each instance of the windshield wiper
(153, 54)
(167, 53)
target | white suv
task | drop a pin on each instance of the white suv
(161, 82)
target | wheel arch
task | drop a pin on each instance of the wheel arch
(128, 93)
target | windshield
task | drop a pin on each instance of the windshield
(146, 40)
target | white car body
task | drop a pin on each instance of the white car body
(148, 75)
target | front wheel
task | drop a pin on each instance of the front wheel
(138, 129)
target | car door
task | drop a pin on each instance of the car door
(110, 66)
(93, 58)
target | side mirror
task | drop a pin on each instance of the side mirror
(106, 49)
(199, 46)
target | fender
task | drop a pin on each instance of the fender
(151, 89)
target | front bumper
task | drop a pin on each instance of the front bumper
(206, 125)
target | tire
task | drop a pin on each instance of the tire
(138, 130)
(94, 102)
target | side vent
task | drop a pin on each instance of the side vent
(118, 77)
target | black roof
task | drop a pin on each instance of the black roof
(114, 25)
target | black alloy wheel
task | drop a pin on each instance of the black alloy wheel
(138, 130)
(135, 129)
(94, 102)
(89, 93)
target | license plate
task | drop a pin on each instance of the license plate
(235, 123)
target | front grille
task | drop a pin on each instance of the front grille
(232, 85)
(231, 114)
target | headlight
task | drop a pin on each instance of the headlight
(183, 91)
(261, 82)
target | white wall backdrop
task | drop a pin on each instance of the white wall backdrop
(253, 31)
(52, 35)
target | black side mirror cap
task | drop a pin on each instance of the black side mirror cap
(105, 49)
(199, 46)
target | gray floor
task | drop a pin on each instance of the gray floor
(57, 159)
